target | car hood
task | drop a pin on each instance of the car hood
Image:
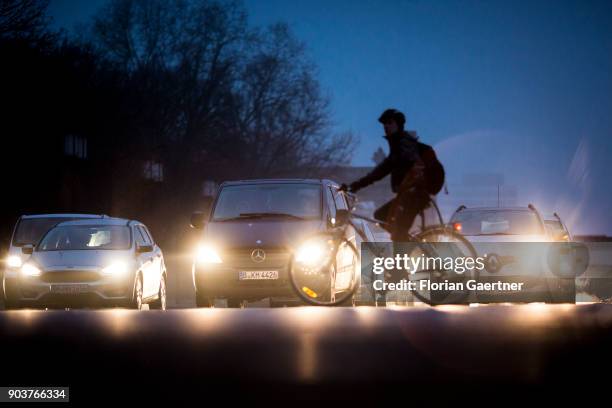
(506, 238)
(86, 258)
(270, 233)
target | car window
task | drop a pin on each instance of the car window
(498, 222)
(31, 230)
(331, 205)
(85, 237)
(145, 235)
(297, 199)
(139, 236)
(339, 199)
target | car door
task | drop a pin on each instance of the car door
(346, 263)
(156, 268)
(145, 261)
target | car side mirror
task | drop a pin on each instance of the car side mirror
(342, 217)
(197, 220)
(27, 249)
(144, 248)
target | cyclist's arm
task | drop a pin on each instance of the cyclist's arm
(380, 171)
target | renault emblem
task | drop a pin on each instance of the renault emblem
(258, 255)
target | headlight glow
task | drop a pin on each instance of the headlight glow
(30, 270)
(312, 253)
(13, 261)
(207, 254)
(115, 269)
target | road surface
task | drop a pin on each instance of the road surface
(350, 354)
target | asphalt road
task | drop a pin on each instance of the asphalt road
(308, 353)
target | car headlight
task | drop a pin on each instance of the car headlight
(313, 253)
(30, 270)
(13, 261)
(207, 254)
(115, 269)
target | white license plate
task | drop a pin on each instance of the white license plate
(257, 275)
(69, 289)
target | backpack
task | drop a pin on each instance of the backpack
(434, 171)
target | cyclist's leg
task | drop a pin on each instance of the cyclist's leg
(382, 214)
(410, 204)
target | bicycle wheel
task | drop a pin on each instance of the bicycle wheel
(443, 243)
(325, 270)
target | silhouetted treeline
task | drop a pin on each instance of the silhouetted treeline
(137, 113)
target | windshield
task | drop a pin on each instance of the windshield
(31, 230)
(498, 222)
(295, 200)
(84, 237)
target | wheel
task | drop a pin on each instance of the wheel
(160, 302)
(442, 242)
(234, 303)
(348, 302)
(136, 302)
(327, 272)
(203, 301)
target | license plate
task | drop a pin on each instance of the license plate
(69, 289)
(257, 275)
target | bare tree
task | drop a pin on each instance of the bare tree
(282, 114)
(379, 156)
(23, 19)
(215, 95)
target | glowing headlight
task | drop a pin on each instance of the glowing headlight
(207, 254)
(312, 253)
(115, 269)
(30, 270)
(13, 261)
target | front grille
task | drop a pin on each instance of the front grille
(70, 276)
(241, 258)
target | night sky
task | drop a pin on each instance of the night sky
(517, 88)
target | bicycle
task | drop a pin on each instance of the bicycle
(324, 271)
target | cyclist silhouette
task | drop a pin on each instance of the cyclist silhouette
(416, 174)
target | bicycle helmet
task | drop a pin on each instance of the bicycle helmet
(395, 115)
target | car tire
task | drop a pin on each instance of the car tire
(203, 301)
(348, 302)
(275, 304)
(160, 302)
(136, 302)
(234, 303)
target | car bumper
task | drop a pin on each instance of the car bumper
(35, 292)
(534, 289)
(218, 281)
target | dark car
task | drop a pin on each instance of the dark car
(252, 232)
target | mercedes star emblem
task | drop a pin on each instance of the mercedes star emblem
(258, 255)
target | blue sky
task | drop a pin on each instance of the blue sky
(519, 88)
